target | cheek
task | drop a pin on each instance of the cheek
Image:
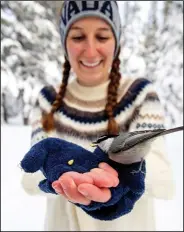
(108, 51)
(73, 52)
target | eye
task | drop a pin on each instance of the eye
(102, 38)
(78, 38)
(102, 138)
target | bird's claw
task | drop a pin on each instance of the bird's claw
(136, 172)
(139, 170)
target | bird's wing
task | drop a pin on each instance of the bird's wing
(139, 138)
(118, 143)
(122, 143)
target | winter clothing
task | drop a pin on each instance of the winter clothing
(81, 120)
(52, 155)
(75, 10)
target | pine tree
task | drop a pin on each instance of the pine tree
(32, 56)
(31, 47)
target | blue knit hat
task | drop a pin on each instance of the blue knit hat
(75, 10)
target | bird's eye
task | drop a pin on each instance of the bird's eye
(104, 137)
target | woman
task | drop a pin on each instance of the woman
(98, 101)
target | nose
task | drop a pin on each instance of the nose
(90, 49)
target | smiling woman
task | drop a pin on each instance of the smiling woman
(91, 50)
(98, 101)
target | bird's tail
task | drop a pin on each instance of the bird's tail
(172, 130)
(146, 135)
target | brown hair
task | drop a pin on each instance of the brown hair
(48, 119)
(115, 76)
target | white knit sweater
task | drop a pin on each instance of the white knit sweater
(81, 120)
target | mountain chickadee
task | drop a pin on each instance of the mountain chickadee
(130, 147)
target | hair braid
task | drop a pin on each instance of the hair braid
(48, 119)
(112, 96)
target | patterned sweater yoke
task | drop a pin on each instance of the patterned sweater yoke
(82, 117)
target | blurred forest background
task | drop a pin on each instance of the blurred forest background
(31, 53)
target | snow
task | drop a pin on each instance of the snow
(32, 52)
(9, 83)
(138, 64)
(8, 43)
(8, 16)
(32, 56)
(21, 212)
(33, 6)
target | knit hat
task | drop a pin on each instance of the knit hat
(75, 10)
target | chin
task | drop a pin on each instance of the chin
(94, 80)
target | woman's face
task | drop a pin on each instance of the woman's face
(90, 46)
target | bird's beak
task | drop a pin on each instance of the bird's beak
(93, 144)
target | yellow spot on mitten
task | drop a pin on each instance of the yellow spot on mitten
(70, 162)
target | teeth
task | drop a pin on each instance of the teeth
(91, 64)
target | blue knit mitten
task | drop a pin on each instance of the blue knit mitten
(52, 156)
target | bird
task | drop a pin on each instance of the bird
(130, 147)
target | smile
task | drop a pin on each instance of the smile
(90, 65)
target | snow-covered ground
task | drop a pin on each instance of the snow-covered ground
(21, 212)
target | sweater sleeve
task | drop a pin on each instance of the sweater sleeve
(30, 181)
(159, 175)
